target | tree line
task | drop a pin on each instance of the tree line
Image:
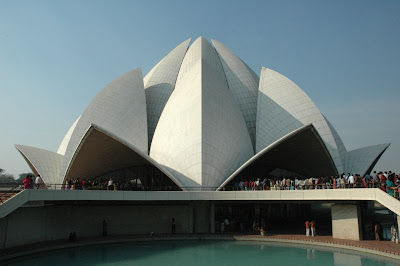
(6, 178)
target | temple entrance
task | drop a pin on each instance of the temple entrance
(273, 217)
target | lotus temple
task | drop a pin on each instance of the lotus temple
(198, 122)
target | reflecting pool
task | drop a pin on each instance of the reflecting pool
(201, 253)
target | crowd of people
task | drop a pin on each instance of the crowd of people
(387, 181)
(310, 225)
(29, 183)
(94, 184)
(111, 184)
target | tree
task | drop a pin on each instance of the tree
(10, 179)
(6, 178)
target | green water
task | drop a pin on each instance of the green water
(201, 253)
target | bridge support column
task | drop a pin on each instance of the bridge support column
(346, 221)
(201, 217)
(398, 224)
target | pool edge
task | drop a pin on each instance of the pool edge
(208, 237)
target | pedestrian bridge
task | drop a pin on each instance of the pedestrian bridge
(329, 195)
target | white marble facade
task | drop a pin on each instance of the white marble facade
(201, 134)
(201, 113)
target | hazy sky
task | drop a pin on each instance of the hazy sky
(55, 56)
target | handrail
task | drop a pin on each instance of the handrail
(261, 187)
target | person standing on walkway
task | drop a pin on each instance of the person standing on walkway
(393, 230)
(313, 228)
(390, 186)
(307, 228)
(376, 232)
(110, 184)
(173, 223)
(38, 181)
(26, 182)
(351, 181)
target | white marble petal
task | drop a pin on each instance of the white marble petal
(159, 83)
(339, 143)
(43, 162)
(283, 107)
(201, 136)
(119, 108)
(243, 84)
(363, 160)
(63, 146)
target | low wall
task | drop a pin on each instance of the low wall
(35, 224)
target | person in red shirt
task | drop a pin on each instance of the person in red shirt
(307, 228)
(364, 182)
(27, 182)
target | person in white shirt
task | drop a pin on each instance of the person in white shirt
(38, 181)
(110, 184)
(351, 179)
(345, 179)
(376, 179)
(395, 237)
(374, 176)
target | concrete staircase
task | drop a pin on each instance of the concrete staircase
(4, 196)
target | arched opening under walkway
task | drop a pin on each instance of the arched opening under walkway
(101, 156)
(301, 153)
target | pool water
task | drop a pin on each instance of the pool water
(201, 253)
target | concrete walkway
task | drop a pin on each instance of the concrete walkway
(322, 195)
(381, 248)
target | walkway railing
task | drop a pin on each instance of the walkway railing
(260, 187)
(226, 188)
